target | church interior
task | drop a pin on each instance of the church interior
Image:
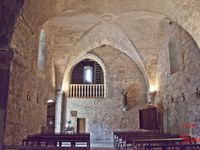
(105, 69)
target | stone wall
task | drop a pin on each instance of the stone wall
(29, 88)
(104, 115)
(176, 91)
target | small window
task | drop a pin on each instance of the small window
(88, 74)
(41, 51)
(173, 55)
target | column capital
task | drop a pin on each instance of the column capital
(60, 92)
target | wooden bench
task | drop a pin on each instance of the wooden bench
(69, 140)
(21, 147)
(121, 138)
(141, 144)
(173, 147)
(129, 140)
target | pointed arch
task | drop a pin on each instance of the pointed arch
(108, 34)
(70, 66)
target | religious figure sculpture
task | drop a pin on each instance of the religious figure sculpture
(125, 99)
(69, 129)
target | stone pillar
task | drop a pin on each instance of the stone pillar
(6, 55)
(58, 111)
(64, 112)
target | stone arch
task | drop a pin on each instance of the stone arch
(72, 64)
(108, 34)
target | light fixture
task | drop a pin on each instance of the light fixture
(151, 94)
(152, 88)
(50, 101)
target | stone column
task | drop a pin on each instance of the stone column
(64, 112)
(6, 55)
(58, 111)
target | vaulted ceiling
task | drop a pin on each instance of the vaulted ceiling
(185, 12)
(137, 34)
(137, 28)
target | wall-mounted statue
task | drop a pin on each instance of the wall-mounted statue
(125, 99)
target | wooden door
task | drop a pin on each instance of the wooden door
(81, 126)
(148, 118)
(51, 117)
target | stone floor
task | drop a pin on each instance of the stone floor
(104, 148)
(102, 145)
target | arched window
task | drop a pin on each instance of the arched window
(87, 80)
(87, 72)
(41, 51)
(173, 55)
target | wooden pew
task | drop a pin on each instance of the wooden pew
(120, 137)
(141, 144)
(173, 147)
(128, 140)
(21, 147)
(123, 139)
(71, 140)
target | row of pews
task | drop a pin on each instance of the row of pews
(152, 140)
(79, 141)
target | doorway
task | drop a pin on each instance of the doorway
(81, 125)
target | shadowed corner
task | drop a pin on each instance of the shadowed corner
(9, 12)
